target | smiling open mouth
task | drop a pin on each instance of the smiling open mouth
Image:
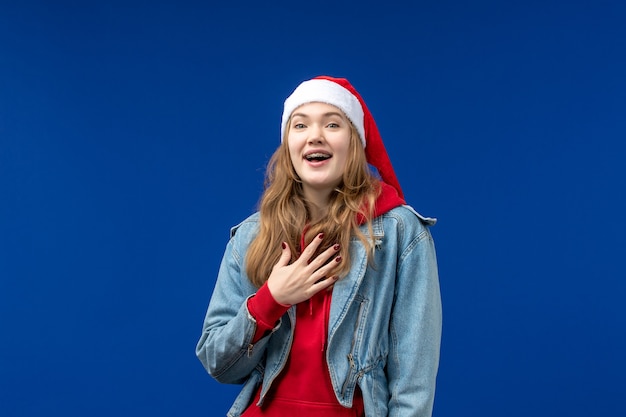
(317, 156)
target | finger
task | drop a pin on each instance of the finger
(308, 252)
(322, 284)
(323, 257)
(322, 272)
(285, 256)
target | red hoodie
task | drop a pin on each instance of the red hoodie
(304, 388)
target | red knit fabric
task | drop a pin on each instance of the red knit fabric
(266, 311)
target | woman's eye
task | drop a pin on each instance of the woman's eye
(298, 126)
(333, 125)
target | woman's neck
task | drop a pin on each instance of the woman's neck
(318, 207)
(316, 213)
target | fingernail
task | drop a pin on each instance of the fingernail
(284, 245)
(321, 235)
(338, 259)
(336, 247)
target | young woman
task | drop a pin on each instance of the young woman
(327, 300)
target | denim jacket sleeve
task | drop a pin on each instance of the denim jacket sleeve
(415, 328)
(225, 346)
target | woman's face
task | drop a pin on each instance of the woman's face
(318, 137)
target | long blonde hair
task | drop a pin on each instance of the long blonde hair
(284, 214)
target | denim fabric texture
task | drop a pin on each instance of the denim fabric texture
(384, 330)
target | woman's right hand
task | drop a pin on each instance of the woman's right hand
(293, 283)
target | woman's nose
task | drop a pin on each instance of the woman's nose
(316, 134)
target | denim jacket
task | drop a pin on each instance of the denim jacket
(384, 328)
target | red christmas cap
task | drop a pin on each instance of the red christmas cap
(341, 94)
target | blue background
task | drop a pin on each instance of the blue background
(134, 134)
